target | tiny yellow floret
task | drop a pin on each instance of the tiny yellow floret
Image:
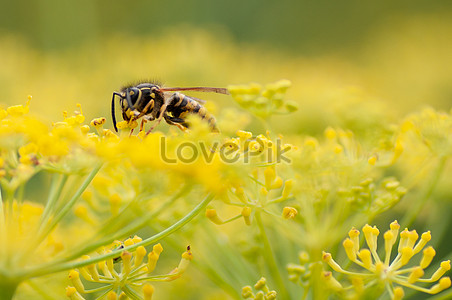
(157, 248)
(112, 295)
(244, 135)
(74, 277)
(212, 215)
(261, 283)
(129, 242)
(140, 253)
(366, 258)
(407, 253)
(246, 214)
(148, 291)
(122, 125)
(417, 273)
(289, 212)
(330, 133)
(427, 257)
(288, 185)
(97, 122)
(444, 283)
(72, 294)
(331, 282)
(443, 268)
(247, 292)
(349, 249)
(398, 293)
(372, 160)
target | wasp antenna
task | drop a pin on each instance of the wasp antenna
(113, 110)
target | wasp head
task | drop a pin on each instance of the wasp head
(145, 98)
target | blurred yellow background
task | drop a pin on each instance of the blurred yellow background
(347, 60)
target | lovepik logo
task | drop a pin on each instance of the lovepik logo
(230, 152)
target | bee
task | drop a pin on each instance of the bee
(152, 102)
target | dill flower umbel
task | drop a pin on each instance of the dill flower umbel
(264, 101)
(126, 274)
(72, 191)
(261, 157)
(377, 275)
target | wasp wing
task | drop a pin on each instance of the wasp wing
(197, 89)
(168, 94)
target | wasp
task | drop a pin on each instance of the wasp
(152, 102)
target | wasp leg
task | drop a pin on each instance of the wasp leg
(148, 106)
(143, 121)
(180, 123)
(159, 119)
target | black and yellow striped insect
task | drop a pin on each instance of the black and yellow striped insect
(152, 102)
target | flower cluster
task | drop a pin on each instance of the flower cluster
(390, 274)
(264, 101)
(263, 291)
(428, 130)
(70, 179)
(263, 157)
(300, 273)
(124, 275)
(80, 174)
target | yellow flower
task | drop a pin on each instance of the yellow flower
(263, 291)
(375, 270)
(127, 273)
(264, 101)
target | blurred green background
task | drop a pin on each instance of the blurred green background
(346, 59)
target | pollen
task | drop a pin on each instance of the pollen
(122, 125)
(17, 110)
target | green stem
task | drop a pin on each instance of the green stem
(57, 266)
(111, 227)
(107, 236)
(131, 293)
(2, 227)
(57, 218)
(270, 258)
(8, 287)
(442, 296)
(49, 226)
(41, 290)
(265, 123)
(54, 194)
(223, 274)
(20, 193)
(9, 197)
(409, 218)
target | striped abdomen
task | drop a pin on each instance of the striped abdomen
(180, 105)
